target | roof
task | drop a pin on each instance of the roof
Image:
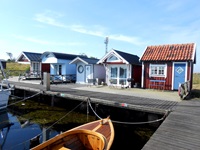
(84, 60)
(170, 52)
(2, 60)
(126, 57)
(62, 55)
(33, 56)
(132, 59)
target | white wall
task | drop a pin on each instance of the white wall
(99, 72)
(70, 68)
(80, 77)
(66, 67)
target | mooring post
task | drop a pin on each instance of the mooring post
(46, 81)
(45, 134)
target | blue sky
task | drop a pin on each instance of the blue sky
(80, 26)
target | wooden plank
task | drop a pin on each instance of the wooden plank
(135, 103)
(180, 130)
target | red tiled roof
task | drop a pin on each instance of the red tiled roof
(171, 52)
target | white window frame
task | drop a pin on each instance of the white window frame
(110, 59)
(118, 78)
(158, 73)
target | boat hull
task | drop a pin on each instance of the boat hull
(93, 135)
(4, 96)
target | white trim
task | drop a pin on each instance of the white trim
(109, 54)
(118, 70)
(194, 52)
(142, 84)
(158, 65)
(143, 52)
(186, 70)
(74, 61)
(22, 53)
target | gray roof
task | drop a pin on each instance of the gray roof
(132, 59)
(64, 55)
(90, 60)
(33, 56)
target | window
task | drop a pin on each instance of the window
(122, 72)
(35, 67)
(113, 72)
(60, 69)
(112, 58)
(118, 75)
(158, 70)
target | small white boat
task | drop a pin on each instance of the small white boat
(4, 90)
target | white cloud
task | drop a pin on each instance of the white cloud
(82, 29)
(49, 17)
(129, 39)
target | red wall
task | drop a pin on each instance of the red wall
(136, 74)
(168, 79)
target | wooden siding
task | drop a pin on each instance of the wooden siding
(169, 76)
(180, 130)
(168, 79)
(136, 74)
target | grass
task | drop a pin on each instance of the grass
(196, 85)
(14, 69)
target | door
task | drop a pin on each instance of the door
(88, 72)
(179, 74)
(46, 68)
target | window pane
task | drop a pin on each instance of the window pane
(161, 70)
(122, 73)
(113, 72)
(157, 70)
(122, 81)
(153, 70)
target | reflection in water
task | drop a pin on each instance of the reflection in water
(17, 135)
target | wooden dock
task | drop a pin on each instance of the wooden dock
(180, 130)
(151, 105)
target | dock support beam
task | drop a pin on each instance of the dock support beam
(46, 81)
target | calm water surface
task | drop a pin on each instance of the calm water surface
(17, 135)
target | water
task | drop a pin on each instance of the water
(17, 135)
(20, 133)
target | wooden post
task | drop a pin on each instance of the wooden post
(45, 134)
(46, 81)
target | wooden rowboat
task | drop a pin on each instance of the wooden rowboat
(93, 135)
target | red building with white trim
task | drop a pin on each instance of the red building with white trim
(166, 66)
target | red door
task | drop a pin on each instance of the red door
(136, 74)
(45, 68)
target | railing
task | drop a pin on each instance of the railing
(30, 75)
(156, 84)
(184, 89)
(71, 78)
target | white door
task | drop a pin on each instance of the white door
(88, 72)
